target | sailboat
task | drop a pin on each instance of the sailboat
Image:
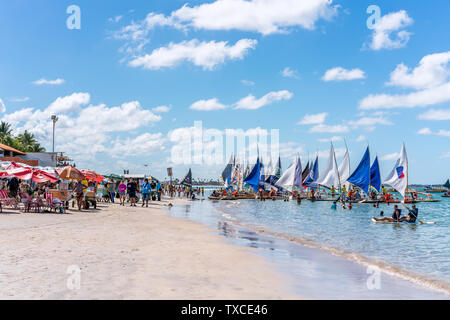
(311, 179)
(254, 178)
(344, 170)
(274, 175)
(306, 171)
(330, 176)
(375, 176)
(292, 178)
(398, 178)
(361, 176)
(226, 174)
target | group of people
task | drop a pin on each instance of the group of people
(411, 217)
(129, 189)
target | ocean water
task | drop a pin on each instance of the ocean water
(408, 254)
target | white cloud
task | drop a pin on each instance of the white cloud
(435, 115)
(341, 74)
(313, 118)
(427, 131)
(161, 109)
(262, 16)
(323, 128)
(115, 19)
(146, 143)
(325, 154)
(391, 156)
(248, 103)
(429, 78)
(252, 103)
(445, 155)
(44, 81)
(370, 121)
(19, 99)
(432, 71)
(248, 83)
(289, 73)
(84, 131)
(389, 33)
(203, 54)
(69, 104)
(422, 98)
(208, 105)
(2, 106)
(361, 138)
(334, 138)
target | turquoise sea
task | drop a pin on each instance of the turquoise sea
(416, 254)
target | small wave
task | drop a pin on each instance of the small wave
(439, 286)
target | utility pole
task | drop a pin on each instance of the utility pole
(54, 119)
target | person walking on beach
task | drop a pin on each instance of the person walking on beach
(122, 191)
(132, 188)
(79, 188)
(112, 190)
(158, 191)
(146, 187)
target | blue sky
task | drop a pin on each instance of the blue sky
(105, 80)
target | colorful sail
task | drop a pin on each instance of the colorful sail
(187, 180)
(291, 177)
(305, 172)
(361, 176)
(330, 176)
(311, 179)
(375, 176)
(447, 184)
(275, 174)
(398, 178)
(253, 178)
(226, 174)
(344, 170)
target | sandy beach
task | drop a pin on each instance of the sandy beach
(127, 253)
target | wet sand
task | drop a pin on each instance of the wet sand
(127, 253)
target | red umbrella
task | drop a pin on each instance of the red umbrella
(92, 176)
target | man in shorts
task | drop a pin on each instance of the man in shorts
(146, 188)
(132, 188)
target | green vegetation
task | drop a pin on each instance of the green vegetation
(25, 142)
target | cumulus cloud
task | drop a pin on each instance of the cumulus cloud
(427, 131)
(289, 73)
(252, 103)
(389, 33)
(248, 83)
(334, 138)
(341, 74)
(370, 121)
(429, 78)
(435, 115)
(262, 16)
(323, 128)
(433, 70)
(203, 54)
(248, 103)
(313, 118)
(361, 138)
(161, 109)
(44, 81)
(208, 105)
(85, 130)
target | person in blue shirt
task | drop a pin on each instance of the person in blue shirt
(146, 188)
(158, 191)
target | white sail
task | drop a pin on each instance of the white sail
(344, 170)
(330, 176)
(269, 169)
(287, 180)
(398, 178)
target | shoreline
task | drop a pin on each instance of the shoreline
(356, 265)
(128, 253)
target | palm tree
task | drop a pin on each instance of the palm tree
(5, 132)
(26, 141)
(36, 148)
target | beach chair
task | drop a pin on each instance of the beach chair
(52, 205)
(29, 203)
(8, 202)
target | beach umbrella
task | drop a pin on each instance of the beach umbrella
(151, 178)
(70, 173)
(92, 176)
